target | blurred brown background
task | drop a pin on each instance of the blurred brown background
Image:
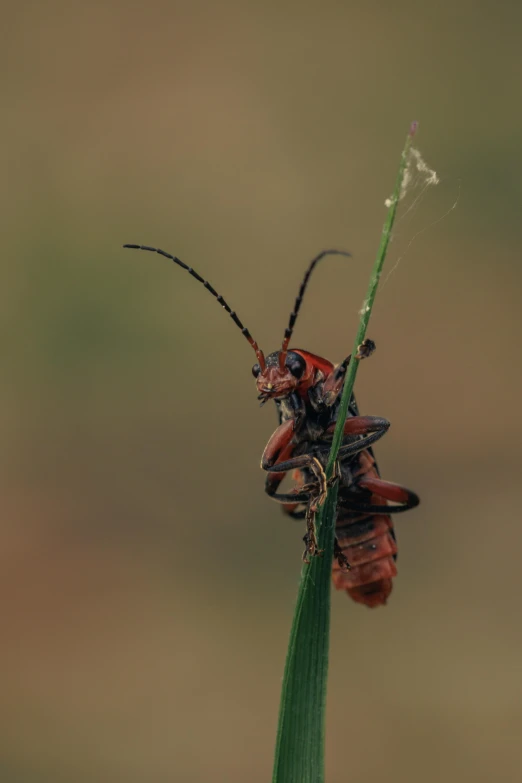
(147, 583)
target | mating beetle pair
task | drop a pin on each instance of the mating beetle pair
(307, 390)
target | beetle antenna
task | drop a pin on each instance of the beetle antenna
(232, 314)
(297, 306)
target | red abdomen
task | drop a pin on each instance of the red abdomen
(369, 545)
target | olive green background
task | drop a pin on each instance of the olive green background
(146, 582)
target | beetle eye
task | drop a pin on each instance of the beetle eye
(256, 369)
(296, 366)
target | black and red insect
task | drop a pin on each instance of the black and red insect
(307, 389)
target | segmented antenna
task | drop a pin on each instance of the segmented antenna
(299, 300)
(232, 314)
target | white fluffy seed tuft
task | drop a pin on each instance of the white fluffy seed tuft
(416, 172)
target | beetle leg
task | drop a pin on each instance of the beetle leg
(277, 455)
(278, 443)
(386, 490)
(334, 383)
(366, 348)
(293, 509)
(293, 512)
(310, 538)
(361, 425)
(341, 558)
(288, 498)
(313, 493)
(317, 499)
(390, 491)
(278, 448)
(319, 489)
(370, 427)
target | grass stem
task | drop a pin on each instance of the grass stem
(299, 753)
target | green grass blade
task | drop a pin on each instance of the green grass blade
(299, 754)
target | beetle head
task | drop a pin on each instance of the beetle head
(274, 382)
